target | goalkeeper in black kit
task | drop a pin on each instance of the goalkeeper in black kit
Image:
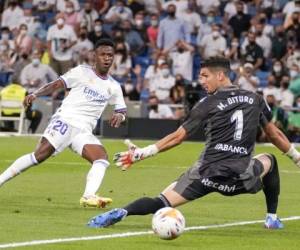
(230, 117)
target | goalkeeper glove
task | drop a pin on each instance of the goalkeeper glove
(134, 154)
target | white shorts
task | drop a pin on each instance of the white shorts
(61, 135)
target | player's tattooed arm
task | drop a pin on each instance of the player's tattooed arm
(45, 90)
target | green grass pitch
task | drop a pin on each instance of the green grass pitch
(43, 203)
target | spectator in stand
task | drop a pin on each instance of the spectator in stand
(72, 17)
(43, 6)
(133, 38)
(270, 89)
(98, 32)
(82, 47)
(247, 80)
(177, 92)
(152, 31)
(182, 59)
(88, 15)
(267, 29)
(140, 26)
(130, 91)
(230, 10)
(101, 6)
(240, 22)
(122, 63)
(213, 44)
(153, 6)
(293, 57)
(29, 20)
(293, 29)
(287, 97)
(7, 58)
(61, 5)
(118, 12)
(279, 71)
(262, 40)
(35, 74)
(158, 110)
(290, 8)
(279, 43)
(206, 6)
(279, 116)
(23, 42)
(60, 40)
(233, 52)
(206, 28)
(192, 19)
(7, 38)
(12, 15)
(171, 29)
(153, 69)
(252, 52)
(162, 84)
(180, 5)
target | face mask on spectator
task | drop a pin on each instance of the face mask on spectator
(165, 72)
(160, 61)
(154, 22)
(215, 34)
(293, 73)
(69, 10)
(98, 28)
(234, 44)
(5, 36)
(88, 11)
(277, 68)
(60, 21)
(128, 87)
(35, 62)
(139, 22)
(210, 19)
(171, 13)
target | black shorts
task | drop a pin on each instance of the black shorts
(192, 186)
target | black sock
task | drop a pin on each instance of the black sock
(271, 182)
(146, 205)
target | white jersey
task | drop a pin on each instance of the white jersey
(89, 95)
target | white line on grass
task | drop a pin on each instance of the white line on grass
(131, 234)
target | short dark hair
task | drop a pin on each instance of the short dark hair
(104, 42)
(217, 62)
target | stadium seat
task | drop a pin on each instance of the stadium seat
(14, 105)
(4, 78)
(263, 77)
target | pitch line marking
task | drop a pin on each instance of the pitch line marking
(131, 234)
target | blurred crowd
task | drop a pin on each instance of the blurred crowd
(159, 47)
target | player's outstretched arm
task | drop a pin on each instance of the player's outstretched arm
(134, 153)
(45, 90)
(281, 142)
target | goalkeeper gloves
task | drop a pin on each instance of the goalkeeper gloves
(294, 155)
(127, 158)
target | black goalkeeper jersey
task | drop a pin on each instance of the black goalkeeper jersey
(231, 117)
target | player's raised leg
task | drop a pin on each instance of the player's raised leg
(142, 206)
(97, 156)
(43, 151)
(271, 188)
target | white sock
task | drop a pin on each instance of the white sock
(21, 164)
(273, 216)
(94, 177)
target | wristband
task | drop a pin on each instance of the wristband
(293, 153)
(150, 150)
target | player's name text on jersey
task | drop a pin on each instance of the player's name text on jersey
(231, 148)
(224, 188)
(93, 95)
(234, 100)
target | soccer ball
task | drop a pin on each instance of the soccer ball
(168, 223)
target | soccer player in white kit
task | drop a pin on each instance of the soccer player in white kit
(91, 89)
